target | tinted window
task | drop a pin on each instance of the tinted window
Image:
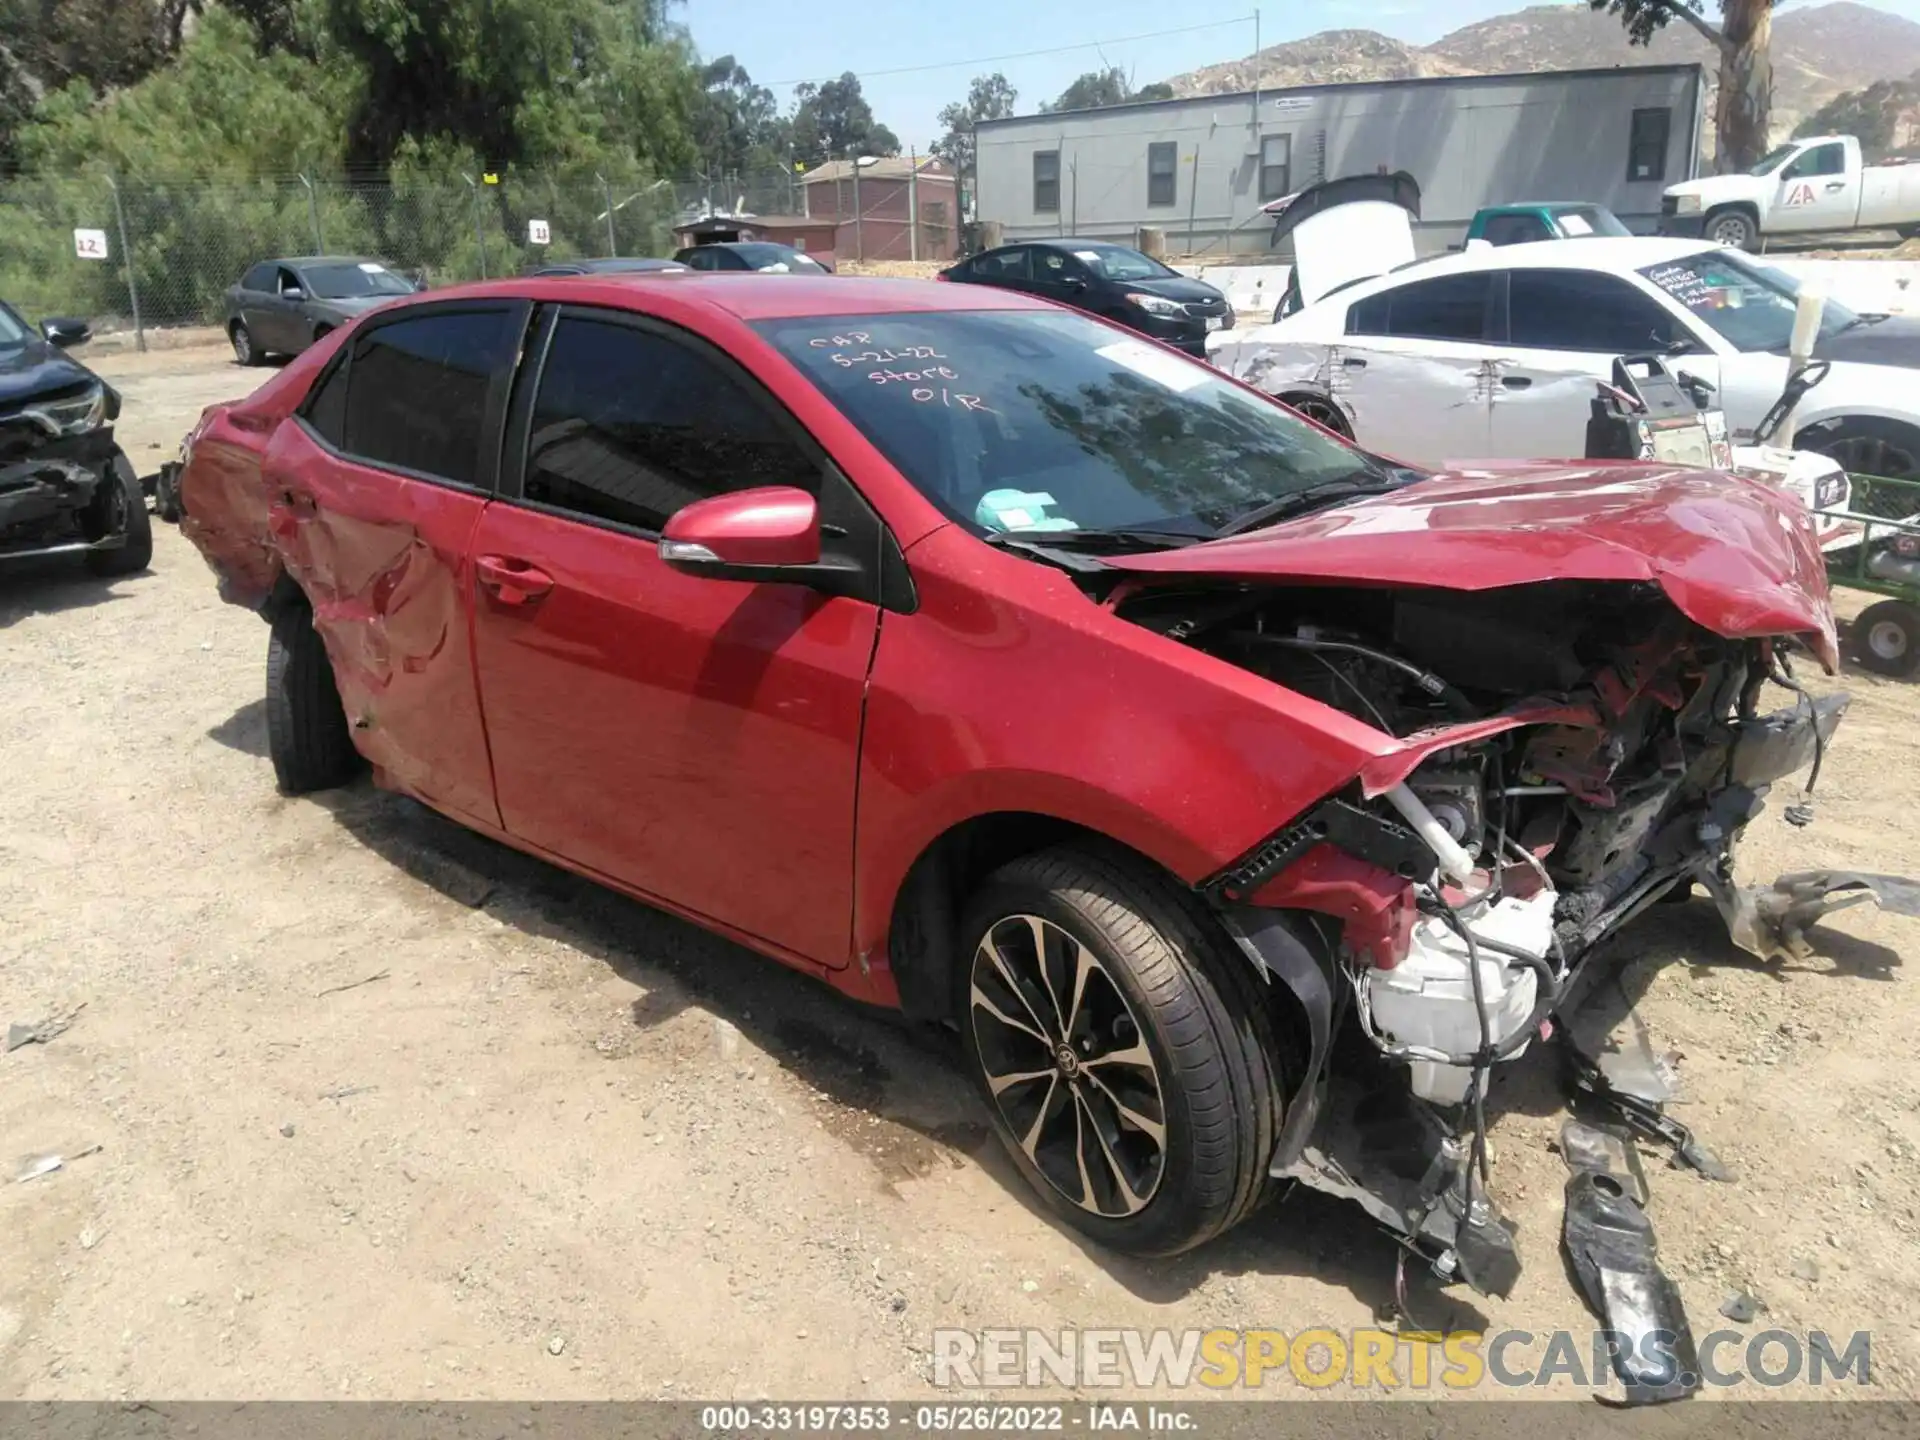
(326, 407)
(1647, 144)
(1820, 160)
(1163, 158)
(630, 426)
(260, 277)
(1050, 267)
(1451, 307)
(1004, 265)
(1025, 420)
(417, 391)
(1515, 229)
(1584, 310)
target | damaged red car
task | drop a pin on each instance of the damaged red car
(1242, 799)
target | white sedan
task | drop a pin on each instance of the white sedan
(1493, 353)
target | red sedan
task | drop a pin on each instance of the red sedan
(989, 661)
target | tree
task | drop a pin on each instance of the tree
(989, 97)
(736, 124)
(1878, 115)
(519, 81)
(833, 120)
(1743, 113)
(1098, 88)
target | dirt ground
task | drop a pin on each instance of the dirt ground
(359, 1135)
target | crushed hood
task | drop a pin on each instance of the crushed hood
(1348, 229)
(1733, 555)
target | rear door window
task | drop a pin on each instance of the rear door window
(1584, 310)
(417, 391)
(1449, 307)
(630, 425)
(1013, 264)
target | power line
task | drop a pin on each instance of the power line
(1019, 55)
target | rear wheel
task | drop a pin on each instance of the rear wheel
(307, 734)
(1887, 637)
(1321, 410)
(120, 505)
(1127, 1060)
(244, 350)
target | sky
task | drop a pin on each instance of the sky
(934, 47)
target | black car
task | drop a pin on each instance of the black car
(65, 485)
(280, 307)
(762, 255)
(1112, 281)
(616, 265)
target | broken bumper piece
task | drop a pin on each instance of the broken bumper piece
(1611, 1246)
(1772, 922)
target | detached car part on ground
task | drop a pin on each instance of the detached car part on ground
(65, 486)
(1241, 799)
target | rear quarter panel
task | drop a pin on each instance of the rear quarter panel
(227, 500)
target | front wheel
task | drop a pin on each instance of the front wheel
(1125, 1054)
(1321, 410)
(1735, 229)
(120, 504)
(1887, 637)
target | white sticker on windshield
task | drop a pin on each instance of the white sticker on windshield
(1575, 225)
(1160, 366)
(1092, 257)
(373, 269)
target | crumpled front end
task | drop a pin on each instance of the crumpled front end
(1567, 754)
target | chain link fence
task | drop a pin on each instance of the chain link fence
(145, 252)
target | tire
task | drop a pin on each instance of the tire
(120, 503)
(1735, 229)
(1886, 637)
(1320, 410)
(1907, 232)
(166, 495)
(1868, 445)
(245, 351)
(307, 735)
(1163, 989)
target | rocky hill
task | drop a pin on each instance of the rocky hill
(1817, 53)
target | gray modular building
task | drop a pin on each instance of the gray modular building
(1202, 168)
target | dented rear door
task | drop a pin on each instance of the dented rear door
(375, 493)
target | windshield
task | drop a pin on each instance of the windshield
(1117, 262)
(1028, 421)
(1771, 160)
(761, 255)
(1751, 305)
(13, 330)
(354, 281)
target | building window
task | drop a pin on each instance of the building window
(1276, 166)
(1046, 181)
(1647, 147)
(1163, 172)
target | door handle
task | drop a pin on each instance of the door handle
(1833, 185)
(510, 580)
(1354, 362)
(1516, 382)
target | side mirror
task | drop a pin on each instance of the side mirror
(63, 332)
(293, 292)
(1074, 282)
(760, 534)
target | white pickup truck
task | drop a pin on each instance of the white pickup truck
(1817, 183)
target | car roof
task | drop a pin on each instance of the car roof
(1596, 252)
(321, 260)
(744, 296)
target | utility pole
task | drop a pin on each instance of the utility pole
(126, 258)
(313, 216)
(1256, 72)
(613, 243)
(1193, 196)
(859, 237)
(913, 204)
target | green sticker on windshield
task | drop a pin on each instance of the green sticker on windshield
(1019, 510)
